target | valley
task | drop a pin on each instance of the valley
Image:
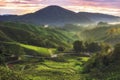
(32, 52)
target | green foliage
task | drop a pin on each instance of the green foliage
(33, 35)
(42, 51)
(2, 58)
(109, 34)
(48, 69)
(104, 66)
(24, 49)
(117, 50)
(78, 46)
(92, 47)
(61, 48)
(21, 39)
(8, 50)
(102, 24)
(7, 74)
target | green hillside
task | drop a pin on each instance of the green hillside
(25, 49)
(34, 35)
(110, 34)
(104, 66)
(33, 39)
(41, 50)
(29, 52)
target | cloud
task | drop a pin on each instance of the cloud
(20, 3)
(97, 3)
(97, 6)
(27, 6)
(19, 6)
(55, 2)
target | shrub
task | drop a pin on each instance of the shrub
(61, 48)
(78, 46)
(7, 74)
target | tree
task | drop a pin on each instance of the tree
(93, 47)
(116, 52)
(106, 48)
(2, 60)
(78, 46)
(60, 48)
(2, 56)
(8, 74)
(102, 23)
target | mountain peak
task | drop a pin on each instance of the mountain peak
(53, 10)
(54, 6)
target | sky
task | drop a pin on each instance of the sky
(20, 7)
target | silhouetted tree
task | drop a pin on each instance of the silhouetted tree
(2, 56)
(93, 47)
(116, 52)
(102, 23)
(60, 48)
(78, 46)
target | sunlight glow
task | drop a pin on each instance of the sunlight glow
(20, 7)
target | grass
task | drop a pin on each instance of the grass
(70, 66)
(49, 69)
(40, 50)
(52, 70)
(85, 59)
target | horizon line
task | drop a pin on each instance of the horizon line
(60, 7)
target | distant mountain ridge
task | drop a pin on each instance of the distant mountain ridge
(97, 17)
(55, 15)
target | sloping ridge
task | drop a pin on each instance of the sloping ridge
(97, 17)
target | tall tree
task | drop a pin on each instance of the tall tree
(78, 46)
(93, 47)
(2, 56)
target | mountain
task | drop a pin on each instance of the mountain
(8, 17)
(97, 17)
(52, 15)
(55, 15)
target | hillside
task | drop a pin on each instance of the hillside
(33, 35)
(109, 34)
(33, 40)
(55, 37)
(28, 49)
(105, 65)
